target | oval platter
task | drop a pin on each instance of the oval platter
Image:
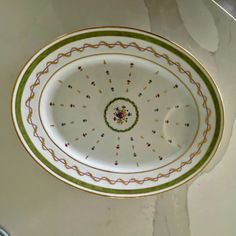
(118, 112)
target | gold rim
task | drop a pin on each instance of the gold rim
(142, 194)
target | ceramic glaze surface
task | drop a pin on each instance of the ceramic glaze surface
(118, 112)
(127, 115)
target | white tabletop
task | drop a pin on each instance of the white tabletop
(32, 202)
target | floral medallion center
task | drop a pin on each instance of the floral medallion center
(121, 114)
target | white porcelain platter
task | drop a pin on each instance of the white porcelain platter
(118, 112)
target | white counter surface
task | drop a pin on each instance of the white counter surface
(32, 202)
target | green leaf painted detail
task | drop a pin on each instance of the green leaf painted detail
(136, 111)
